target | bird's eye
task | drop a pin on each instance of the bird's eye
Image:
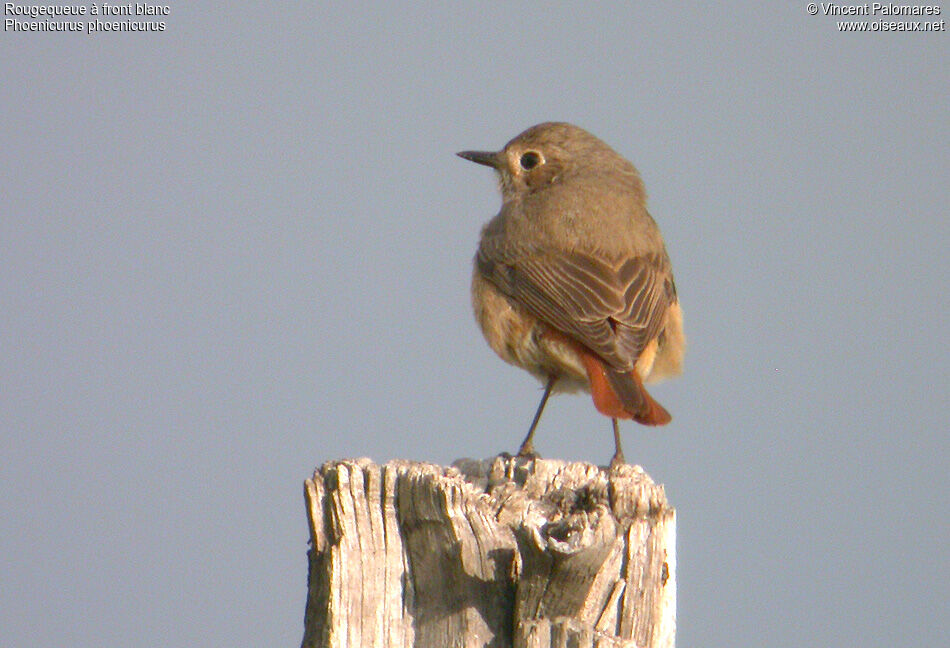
(530, 160)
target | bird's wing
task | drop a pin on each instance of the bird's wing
(614, 309)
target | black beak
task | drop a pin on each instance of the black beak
(488, 158)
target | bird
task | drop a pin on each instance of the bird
(572, 281)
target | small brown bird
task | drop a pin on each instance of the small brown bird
(572, 281)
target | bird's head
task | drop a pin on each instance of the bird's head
(542, 155)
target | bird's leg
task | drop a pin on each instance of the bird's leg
(527, 447)
(617, 459)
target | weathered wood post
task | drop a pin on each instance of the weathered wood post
(504, 552)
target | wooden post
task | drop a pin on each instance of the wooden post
(504, 552)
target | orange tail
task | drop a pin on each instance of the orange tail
(622, 395)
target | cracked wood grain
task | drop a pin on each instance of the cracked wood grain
(506, 552)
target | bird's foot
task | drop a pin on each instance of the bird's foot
(617, 460)
(527, 451)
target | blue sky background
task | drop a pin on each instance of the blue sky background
(239, 248)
